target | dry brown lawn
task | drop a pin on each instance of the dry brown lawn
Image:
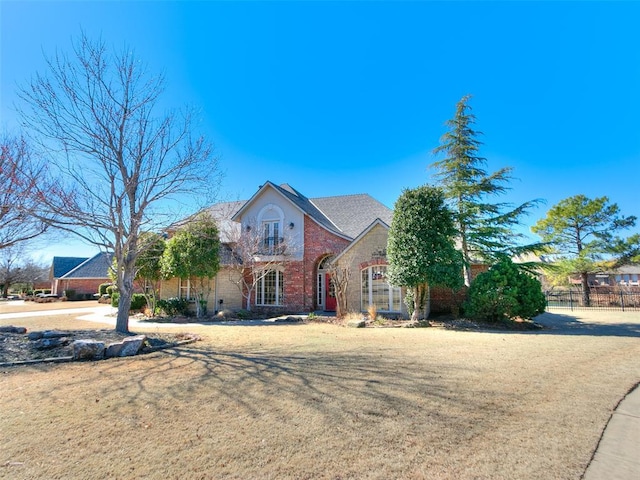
(320, 401)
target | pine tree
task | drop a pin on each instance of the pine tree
(485, 228)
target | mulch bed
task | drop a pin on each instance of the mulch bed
(16, 347)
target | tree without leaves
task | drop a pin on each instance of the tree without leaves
(340, 272)
(19, 174)
(17, 268)
(193, 253)
(581, 233)
(120, 163)
(250, 257)
(485, 229)
(421, 248)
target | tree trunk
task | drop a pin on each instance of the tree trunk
(586, 300)
(415, 316)
(124, 302)
(127, 273)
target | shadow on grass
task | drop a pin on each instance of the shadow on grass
(341, 387)
(569, 324)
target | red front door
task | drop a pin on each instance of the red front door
(330, 297)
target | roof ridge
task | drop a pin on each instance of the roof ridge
(326, 216)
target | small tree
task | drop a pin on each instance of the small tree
(581, 234)
(420, 248)
(193, 253)
(250, 257)
(505, 291)
(149, 265)
(16, 268)
(340, 273)
(485, 229)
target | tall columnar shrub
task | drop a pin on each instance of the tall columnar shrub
(505, 292)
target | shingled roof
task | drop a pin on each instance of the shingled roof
(94, 267)
(63, 265)
(346, 215)
(352, 214)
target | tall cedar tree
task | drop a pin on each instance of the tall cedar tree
(485, 229)
(581, 233)
(420, 248)
(193, 254)
(121, 163)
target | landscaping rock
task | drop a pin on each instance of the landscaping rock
(88, 350)
(46, 334)
(49, 343)
(12, 329)
(289, 319)
(127, 348)
(356, 323)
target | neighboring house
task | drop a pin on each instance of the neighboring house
(352, 229)
(79, 274)
(625, 276)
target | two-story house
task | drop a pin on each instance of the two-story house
(306, 234)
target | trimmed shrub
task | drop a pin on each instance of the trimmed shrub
(102, 288)
(505, 292)
(174, 306)
(138, 302)
(70, 294)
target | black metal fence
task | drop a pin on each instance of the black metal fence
(599, 298)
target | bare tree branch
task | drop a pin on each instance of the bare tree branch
(120, 165)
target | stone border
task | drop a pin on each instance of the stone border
(71, 358)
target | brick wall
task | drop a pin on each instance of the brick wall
(445, 300)
(81, 286)
(300, 276)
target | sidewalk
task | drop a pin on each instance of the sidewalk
(617, 456)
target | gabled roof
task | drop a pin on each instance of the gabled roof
(63, 265)
(94, 267)
(344, 215)
(364, 232)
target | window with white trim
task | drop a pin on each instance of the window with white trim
(271, 236)
(377, 291)
(184, 289)
(270, 289)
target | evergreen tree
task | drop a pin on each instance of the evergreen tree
(420, 249)
(193, 254)
(485, 229)
(581, 235)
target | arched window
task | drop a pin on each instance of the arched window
(377, 291)
(270, 289)
(270, 220)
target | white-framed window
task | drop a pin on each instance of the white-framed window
(270, 289)
(377, 291)
(271, 238)
(184, 289)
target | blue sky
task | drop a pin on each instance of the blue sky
(337, 98)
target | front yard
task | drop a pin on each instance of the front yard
(323, 401)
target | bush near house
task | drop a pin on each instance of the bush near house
(505, 292)
(138, 301)
(102, 288)
(174, 306)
